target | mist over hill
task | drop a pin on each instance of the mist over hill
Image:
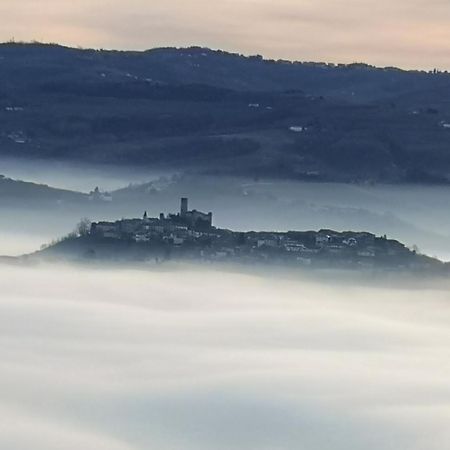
(213, 112)
(34, 213)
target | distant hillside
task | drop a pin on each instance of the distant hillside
(214, 112)
(25, 194)
(40, 64)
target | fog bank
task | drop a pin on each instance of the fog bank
(201, 360)
(75, 176)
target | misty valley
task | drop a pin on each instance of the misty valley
(204, 250)
(112, 351)
(40, 207)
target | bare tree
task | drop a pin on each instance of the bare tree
(83, 227)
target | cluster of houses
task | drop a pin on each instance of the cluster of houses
(175, 229)
(322, 247)
(18, 137)
(191, 234)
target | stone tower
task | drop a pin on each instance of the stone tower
(184, 207)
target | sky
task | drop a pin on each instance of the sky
(132, 360)
(405, 33)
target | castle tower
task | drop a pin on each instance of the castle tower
(184, 207)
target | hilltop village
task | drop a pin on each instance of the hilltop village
(190, 235)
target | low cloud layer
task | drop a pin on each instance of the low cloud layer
(200, 360)
(410, 33)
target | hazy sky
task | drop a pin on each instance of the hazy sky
(408, 33)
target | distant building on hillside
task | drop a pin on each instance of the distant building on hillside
(99, 196)
(190, 235)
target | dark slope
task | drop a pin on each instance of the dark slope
(38, 63)
(210, 111)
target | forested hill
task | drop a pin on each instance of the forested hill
(217, 112)
(36, 66)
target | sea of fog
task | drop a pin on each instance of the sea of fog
(201, 360)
